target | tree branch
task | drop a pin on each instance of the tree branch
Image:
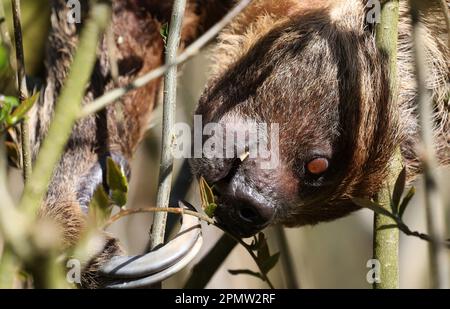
(158, 229)
(23, 91)
(385, 241)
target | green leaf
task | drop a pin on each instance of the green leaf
(26, 105)
(399, 188)
(405, 202)
(7, 103)
(20, 112)
(100, 207)
(115, 178)
(210, 209)
(119, 198)
(164, 31)
(117, 182)
(207, 198)
(365, 203)
(270, 263)
(245, 272)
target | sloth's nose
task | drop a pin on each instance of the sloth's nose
(242, 210)
(253, 213)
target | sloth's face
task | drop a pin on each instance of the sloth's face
(304, 79)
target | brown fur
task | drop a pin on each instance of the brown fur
(117, 130)
(313, 67)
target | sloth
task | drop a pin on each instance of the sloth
(116, 131)
(313, 68)
(310, 66)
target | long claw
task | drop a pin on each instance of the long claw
(160, 264)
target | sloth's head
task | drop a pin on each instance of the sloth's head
(325, 86)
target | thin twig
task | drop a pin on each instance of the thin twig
(407, 231)
(158, 229)
(67, 107)
(434, 202)
(402, 226)
(174, 210)
(191, 51)
(23, 92)
(385, 241)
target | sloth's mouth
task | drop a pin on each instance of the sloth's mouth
(96, 177)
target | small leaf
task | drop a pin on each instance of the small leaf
(405, 202)
(210, 209)
(270, 263)
(7, 103)
(258, 241)
(100, 206)
(253, 244)
(245, 272)
(207, 198)
(206, 191)
(365, 203)
(263, 249)
(119, 198)
(117, 182)
(115, 178)
(164, 31)
(22, 109)
(399, 188)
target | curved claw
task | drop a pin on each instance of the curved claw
(158, 265)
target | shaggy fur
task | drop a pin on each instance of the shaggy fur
(313, 67)
(117, 130)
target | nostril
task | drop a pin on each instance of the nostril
(248, 214)
(254, 213)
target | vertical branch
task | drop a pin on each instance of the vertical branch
(169, 108)
(22, 86)
(386, 235)
(434, 202)
(385, 243)
(67, 108)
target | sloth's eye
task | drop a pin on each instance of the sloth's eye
(317, 166)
